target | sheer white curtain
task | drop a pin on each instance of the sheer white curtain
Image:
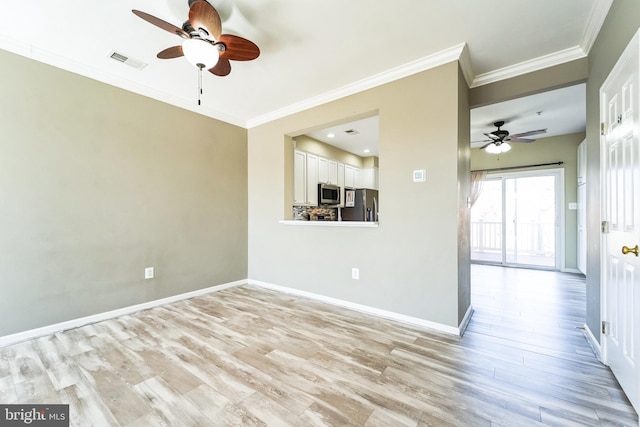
(477, 179)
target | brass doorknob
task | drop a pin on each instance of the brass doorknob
(626, 250)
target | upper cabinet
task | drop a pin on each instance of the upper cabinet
(582, 163)
(370, 178)
(305, 179)
(312, 179)
(327, 171)
(349, 176)
(299, 178)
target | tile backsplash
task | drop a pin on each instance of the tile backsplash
(310, 213)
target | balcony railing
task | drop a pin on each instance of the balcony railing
(531, 238)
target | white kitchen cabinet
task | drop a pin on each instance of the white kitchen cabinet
(357, 177)
(299, 178)
(327, 171)
(333, 172)
(370, 178)
(340, 168)
(349, 178)
(323, 170)
(305, 179)
(352, 177)
(312, 180)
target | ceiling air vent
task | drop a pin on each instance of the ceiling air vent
(121, 57)
(351, 132)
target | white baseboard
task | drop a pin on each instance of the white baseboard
(410, 320)
(465, 320)
(571, 270)
(82, 321)
(595, 345)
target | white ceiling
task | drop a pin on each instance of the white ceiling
(359, 137)
(560, 111)
(311, 51)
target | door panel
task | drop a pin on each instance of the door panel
(620, 210)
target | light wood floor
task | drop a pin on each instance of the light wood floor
(247, 356)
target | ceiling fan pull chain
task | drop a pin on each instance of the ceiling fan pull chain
(199, 82)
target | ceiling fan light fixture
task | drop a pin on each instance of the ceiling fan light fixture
(498, 148)
(492, 149)
(200, 53)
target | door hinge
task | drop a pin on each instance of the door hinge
(605, 227)
(603, 128)
(605, 327)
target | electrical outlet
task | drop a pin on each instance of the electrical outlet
(148, 273)
(355, 273)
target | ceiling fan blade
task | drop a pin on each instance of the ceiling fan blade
(161, 24)
(485, 145)
(530, 133)
(238, 48)
(222, 68)
(521, 140)
(492, 136)
(203, 15)
(483, 140)
(171, 52)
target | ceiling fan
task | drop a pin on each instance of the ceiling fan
(203, 43)
(498, 139)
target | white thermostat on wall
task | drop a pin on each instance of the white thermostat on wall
(419, 175)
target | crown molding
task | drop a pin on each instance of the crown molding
(465, 65)
(556, 58)
(440, 58)
(594, 24)
(32, 52)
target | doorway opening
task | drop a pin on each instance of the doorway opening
(517, 220)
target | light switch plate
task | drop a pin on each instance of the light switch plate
(419, 175)
(148, 273)
(573, 206)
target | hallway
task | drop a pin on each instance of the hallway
(532, 321)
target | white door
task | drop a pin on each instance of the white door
(621, 210)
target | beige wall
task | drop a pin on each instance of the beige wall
(554, 77)
(96, 184)
(312, 145)
(409, 264)
(621, 24)
(545, 150)
(464, 189)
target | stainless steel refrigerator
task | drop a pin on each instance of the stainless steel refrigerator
(360, 205)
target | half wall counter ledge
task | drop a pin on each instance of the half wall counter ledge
(361, 224)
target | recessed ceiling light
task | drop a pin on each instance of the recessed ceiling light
(331, 135)
(366, 150)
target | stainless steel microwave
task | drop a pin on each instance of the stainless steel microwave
(328, 194)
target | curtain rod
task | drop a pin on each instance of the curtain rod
(517, 167)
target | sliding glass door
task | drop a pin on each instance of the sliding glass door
(516, 220)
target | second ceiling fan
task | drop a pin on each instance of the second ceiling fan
(498, 139)
(203, 43)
